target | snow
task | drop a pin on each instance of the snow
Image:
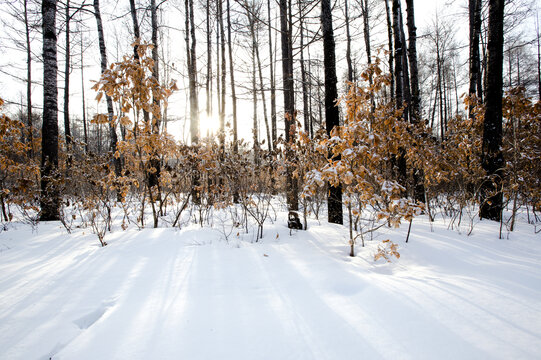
(189, 294)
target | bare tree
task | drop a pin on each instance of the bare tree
(474, 7)
(289, 96)
(192, 80)
(50, 197)
(492, 160)
(334, 200)
(232, 79)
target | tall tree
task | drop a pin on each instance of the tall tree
(50, 197)
(289, 97)
(85, 129)
(192, 81)
(474, 8)
(492, 157)
(272, 79)
(67, 129)
(348, 40)
(390, 41)
(209, 62)
(401, 81)
(112, 128)
(220, 14)
(28, 81)
(415, 106)
(304, 78)
(334, 200)
(154, 173)
(232, 80)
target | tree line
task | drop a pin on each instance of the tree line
(388, 134)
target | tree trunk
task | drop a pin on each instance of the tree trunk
(492, 158)
(289, 98)
(538, 59)
(475, 88)
(334, 200)
(136, 32)
(401, 82)
(209, 63)
(398, 55)
(194, 107)
(272, 80)
(415, 107)
(50, 197)
(28, 83)
(154, 174)
(232, 80)
(221, 134)
(112, 128)
(348, 42)
(255, 127)
(67, 130)
(85, 129)
(303, 77)
(390, 40)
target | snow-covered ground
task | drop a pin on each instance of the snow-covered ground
(189, 294)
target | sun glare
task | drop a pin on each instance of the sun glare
(209, 125)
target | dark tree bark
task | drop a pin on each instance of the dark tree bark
(255, 127)
(492, 158)
(209, 63)
(415, 106)
(401, 82)
(538, 60)
(272, 80)
(112, 128)
(67, 129)
(334, 200)
(348, 41)
(474, 59)
(50, 197)
(28, 82)
(221, 135)
(154, 174)
(136, 31)
(398, 54)
(306, 111)
(391, 49)
(192, 80)
(289, 97)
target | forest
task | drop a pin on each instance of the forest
(286, 179)
(321, 103)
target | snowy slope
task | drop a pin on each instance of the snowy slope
(188, 294)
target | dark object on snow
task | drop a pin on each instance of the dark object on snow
(293, 221)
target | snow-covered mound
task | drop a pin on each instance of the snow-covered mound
(189, 294)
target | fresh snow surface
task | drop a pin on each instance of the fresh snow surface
(190, 294)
